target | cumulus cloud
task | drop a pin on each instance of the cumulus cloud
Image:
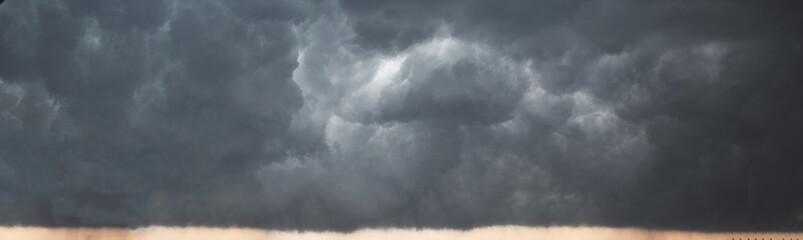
(100, 99)
(345, 114)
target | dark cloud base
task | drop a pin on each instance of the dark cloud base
(340, 115)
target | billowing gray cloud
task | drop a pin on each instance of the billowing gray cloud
(347, 114)
(113, 106)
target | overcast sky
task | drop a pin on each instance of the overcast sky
(339, 115)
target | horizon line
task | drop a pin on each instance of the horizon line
(488, 232)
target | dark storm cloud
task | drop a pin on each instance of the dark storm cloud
(119, 112)
(711, 85)
(339, 115)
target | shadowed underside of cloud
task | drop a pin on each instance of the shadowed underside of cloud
(340, 115)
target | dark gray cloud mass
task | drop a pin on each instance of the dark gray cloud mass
(347, 114)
